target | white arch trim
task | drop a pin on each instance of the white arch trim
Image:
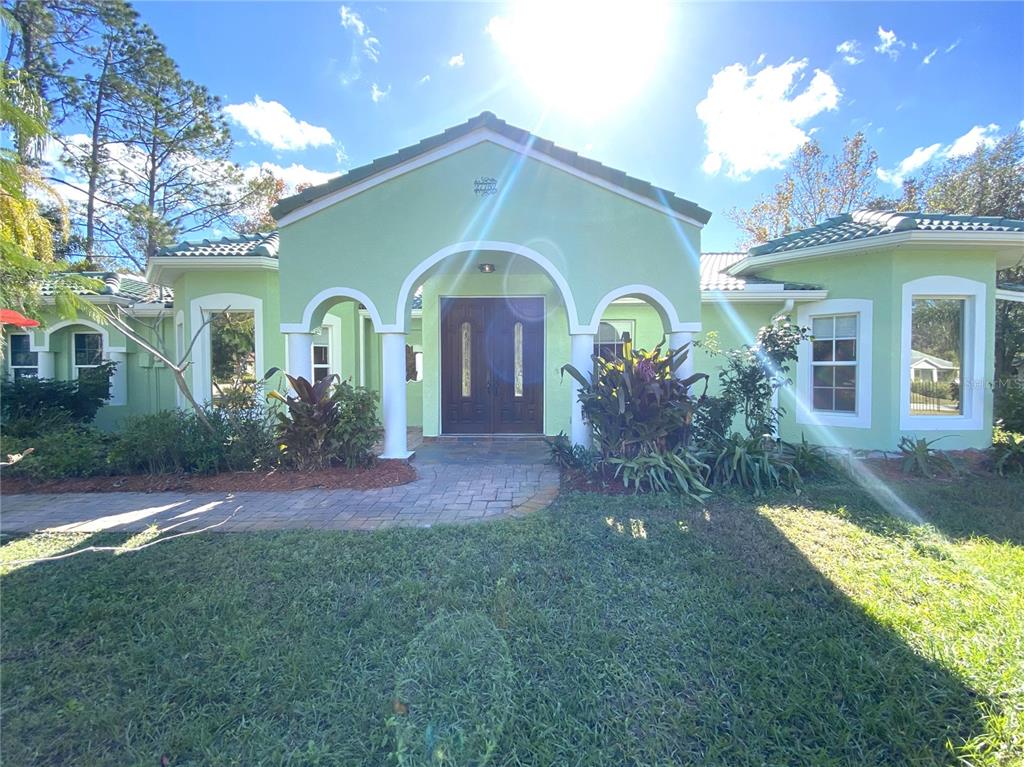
(306, 326)
(79, 321)
(652, 296)
(543, 262)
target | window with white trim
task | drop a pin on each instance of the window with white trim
(322, 354)
(943, 337)
(413, 363)
(612, 336)
(834, 363)
(87, 352)
(24, 363)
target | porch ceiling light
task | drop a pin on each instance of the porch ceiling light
(486, 268)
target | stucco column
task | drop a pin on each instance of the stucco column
(119, 380)
(46, 364)
(300, 355)
(582, 354)
(675, 341)
(393, 396)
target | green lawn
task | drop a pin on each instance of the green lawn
(622, 631)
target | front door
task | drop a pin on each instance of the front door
(492, 365)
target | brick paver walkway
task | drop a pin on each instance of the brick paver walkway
(458, 481)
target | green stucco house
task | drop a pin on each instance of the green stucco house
(458, 275)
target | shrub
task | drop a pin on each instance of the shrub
(635, 404)
(750, 462)
(1009, 404)
(919, 457)
(70, 451)
(42, 398)
(712, 420)
(1007, 452)
(176, 441)
(568, 456)
(753, 373)
(678, 471)
(326, 422)
(358, 427)
(809, 460)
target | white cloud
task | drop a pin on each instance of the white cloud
(915, 160)
(377, 94)
(753, 122)
(353, 21)
(760, 60)
(457, 61)
(953, 45)
(292, 175)
(423, 80)
(851, 52)
(889, 43)
(979, 135)
(928, 59)
(272, 123)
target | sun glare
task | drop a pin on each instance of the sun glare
(587, 59)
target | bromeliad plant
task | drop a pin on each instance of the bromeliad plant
(635, 404)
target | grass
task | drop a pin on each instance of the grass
(604, 631)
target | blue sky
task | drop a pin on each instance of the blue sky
(707, 100)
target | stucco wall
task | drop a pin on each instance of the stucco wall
(596, 239)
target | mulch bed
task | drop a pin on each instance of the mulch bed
(380, 474)
(584, 483)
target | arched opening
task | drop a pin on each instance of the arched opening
(341, 325)
(489, 324)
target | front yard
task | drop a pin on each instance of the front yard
(796, 630)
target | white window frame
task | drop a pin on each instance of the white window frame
(972, 366)
(11, 367)
(805, 412)
(325, 339)
(616, 323)
(75, 367)
(199, 309)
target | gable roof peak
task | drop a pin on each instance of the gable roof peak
(489, 121)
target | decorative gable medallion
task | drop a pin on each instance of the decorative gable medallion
(485, 186)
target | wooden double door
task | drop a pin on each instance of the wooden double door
(492, 365)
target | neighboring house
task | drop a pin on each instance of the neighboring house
(928, 367)
(457, 276)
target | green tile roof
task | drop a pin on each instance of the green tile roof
(116, 284)
(260, 244)
(865, 224)
(518, 135)
(715, 277)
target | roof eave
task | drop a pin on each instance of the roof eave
(161, 269)
(1007, 255)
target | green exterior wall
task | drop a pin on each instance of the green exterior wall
(601, 242)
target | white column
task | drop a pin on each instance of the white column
(582, 354)
(676, 340)
(393, 396)
(46, 364)
(300, 355)
(119, 380)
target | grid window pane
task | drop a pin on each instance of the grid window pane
(846, 326)
(88, 349)
(822, 351)
(834, 363)
(823, 399)
(846, 400)
(846, 351)
(824, 375)
(846, 375)
(21, 356)
(320, 354)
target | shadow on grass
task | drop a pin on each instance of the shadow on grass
(662, 636)
(966, 507)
